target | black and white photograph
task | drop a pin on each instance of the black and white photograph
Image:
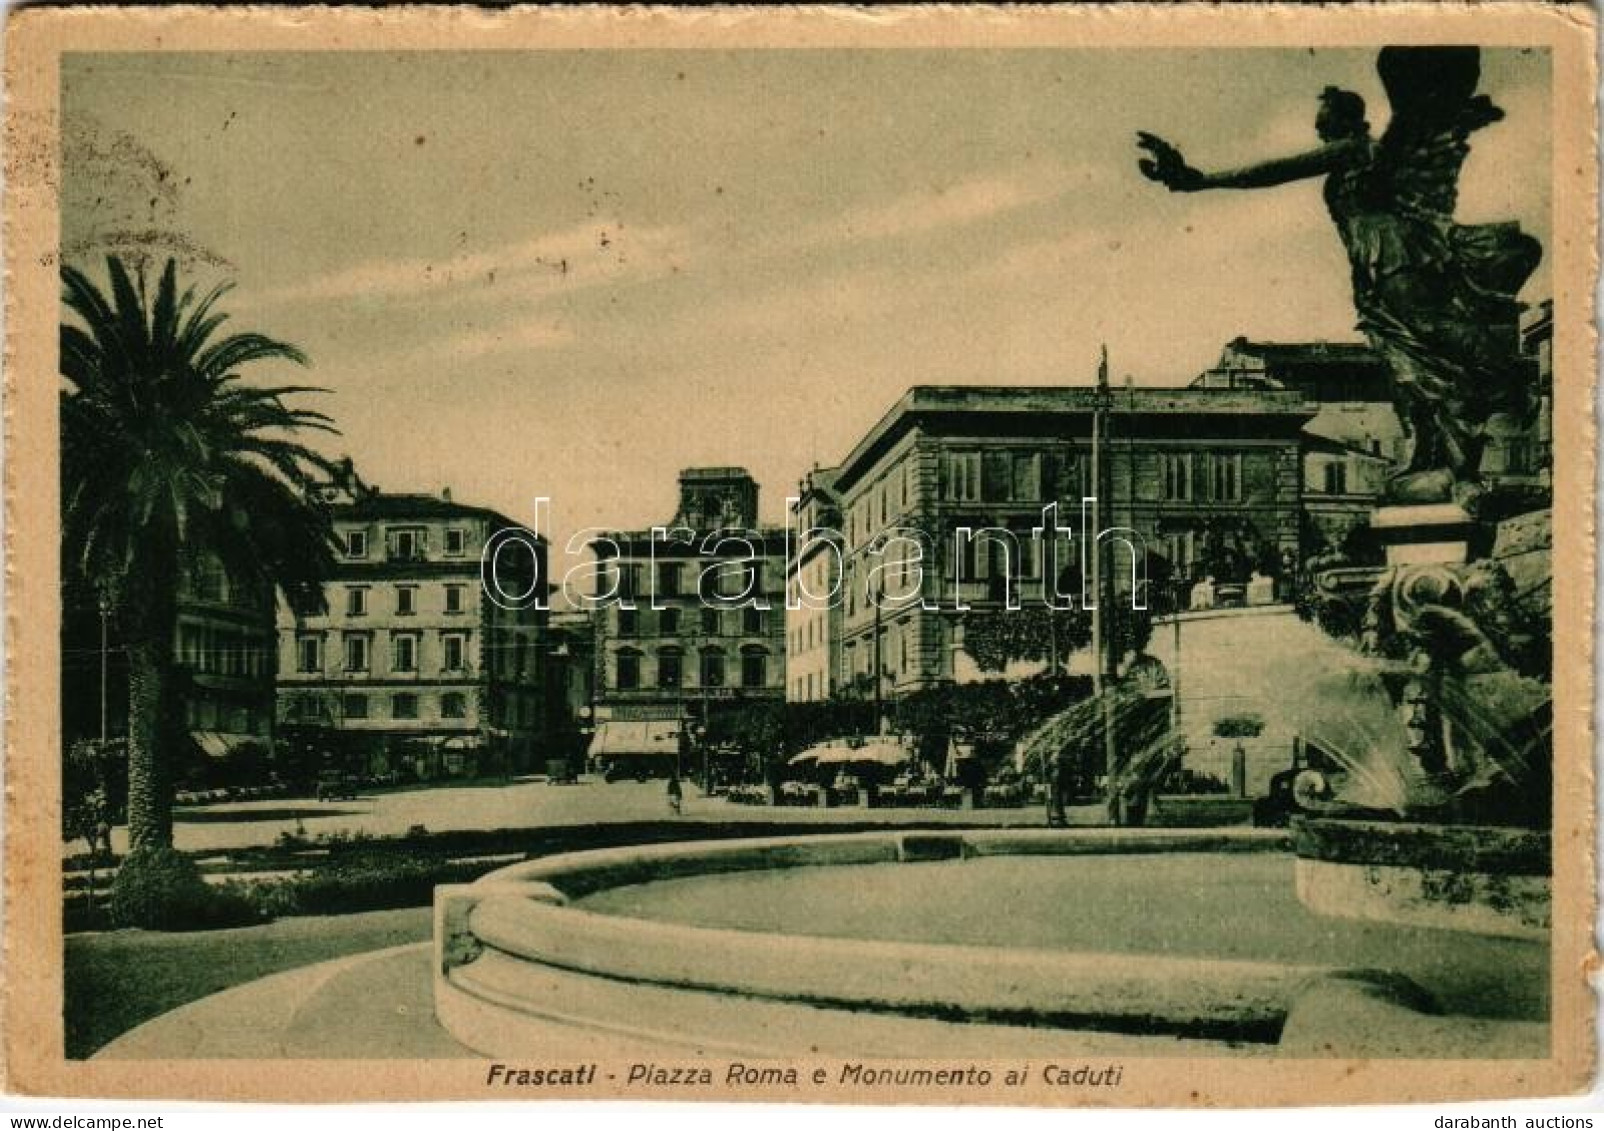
(1012, 557)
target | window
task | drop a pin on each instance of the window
(752, 621)
(404, 705)
(356, 652)
(668, 669)
(454, 599)
(1029, 564)
(356, 543)
(309, 654)
(628, 582)
(356, 601)
(1225, 477)
(712, 622)
(733, 579)
(668, 622)
(668, 579)
(406, 544)
(453, 705)
(404, 652)
(456, 542)
(963, 476)
(355, 706)
(406, 600)
(1026, 478)
(628, 624)
(965, 560)
(628, 671)
(754, 669)
(1179, 547)
(454, 652)
(713, 669)
(1336, 477)
(209, 583)
(1175, 472)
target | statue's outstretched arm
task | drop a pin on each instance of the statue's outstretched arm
(1166, 166)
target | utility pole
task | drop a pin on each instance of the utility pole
(1104, 643)
(105, 613)
(707, 731)
(879, 692)
(1175, 678)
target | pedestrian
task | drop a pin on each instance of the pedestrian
(675, 794)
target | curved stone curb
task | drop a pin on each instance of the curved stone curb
(1484, 880)
(1366, 1019)
(504, 942)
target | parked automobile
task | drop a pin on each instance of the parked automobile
(335, 786)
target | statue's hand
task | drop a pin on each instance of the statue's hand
(1166, 165)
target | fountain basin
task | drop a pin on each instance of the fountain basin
(1479, 879)
(938, 944)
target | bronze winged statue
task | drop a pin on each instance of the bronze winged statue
(1435, 298)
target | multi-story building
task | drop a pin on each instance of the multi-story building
(692, 619)
(1520, 453)
(1353, 443)
(1207, 479)
(224, 647)
(571, 679)
(413, 665)
(813, 578)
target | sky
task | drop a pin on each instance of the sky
(569, 274)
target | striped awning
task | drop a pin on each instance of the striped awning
(881, 751)
(218, 744)
(632, 736)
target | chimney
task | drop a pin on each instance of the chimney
(445, 493)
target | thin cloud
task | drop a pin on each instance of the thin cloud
(589, 254)
(938, 210)
(478, 343)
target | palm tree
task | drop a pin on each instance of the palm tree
(169, 459)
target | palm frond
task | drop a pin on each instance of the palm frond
(166, 455)
(220, 360)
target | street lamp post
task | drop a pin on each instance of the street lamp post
(1104, 644)
(702, 732)
(879, 667)
(105, 614)
(1175, 676)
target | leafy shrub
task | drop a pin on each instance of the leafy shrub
(161, 889)
(366, 882)
(1249, 724)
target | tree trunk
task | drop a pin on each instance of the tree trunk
(150, 793)
(152, 690)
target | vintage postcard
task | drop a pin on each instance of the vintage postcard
(1012, 556)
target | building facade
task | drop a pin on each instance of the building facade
(226, 648)
(1520, 453)
(692, 618)
(571, 678)
(813, 579)
(1199, 480)
(224, 653)
(1355, 440)
(412, 665)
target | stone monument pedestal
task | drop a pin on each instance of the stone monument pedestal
(1424, 534)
